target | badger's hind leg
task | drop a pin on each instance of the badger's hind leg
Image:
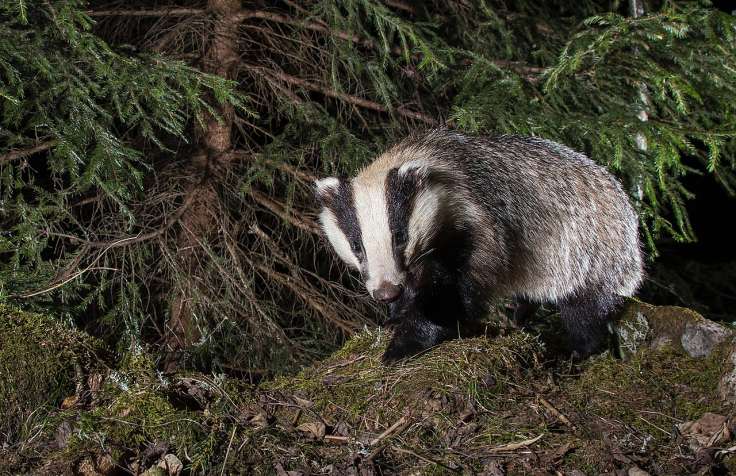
(586, 319)
(524, 310)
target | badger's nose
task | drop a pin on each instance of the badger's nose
(387, 292)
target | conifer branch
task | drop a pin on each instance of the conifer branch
(157, 12)
(309, 25)
(301, 175)
(520, 67)
(21, 153)
(348, 98)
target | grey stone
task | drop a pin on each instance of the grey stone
(701, 337)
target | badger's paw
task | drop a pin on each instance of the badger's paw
(401, 348)
(412, 337)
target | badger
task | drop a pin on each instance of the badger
(443, 224)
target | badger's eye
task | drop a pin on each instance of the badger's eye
(356, 248)
(400, 238)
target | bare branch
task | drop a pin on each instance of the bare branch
(399, 5)
(309, 25)
(311, 300)
(19, 154)
(131, 240)
(519, 67)
(158, 12)
(279, 210)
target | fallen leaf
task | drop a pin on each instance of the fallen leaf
(303, 402)
(709, 430)
(259, 420)
(637, 471)
(69, 402)
(314, 428)
(561, 451)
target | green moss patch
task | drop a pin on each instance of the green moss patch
(41, 362)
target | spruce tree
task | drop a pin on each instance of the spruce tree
(156, 162)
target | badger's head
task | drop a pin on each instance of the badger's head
(381, 222)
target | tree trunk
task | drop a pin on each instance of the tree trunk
(215, 145)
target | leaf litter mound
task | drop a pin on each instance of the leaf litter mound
(485, 405)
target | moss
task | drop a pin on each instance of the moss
(644, 396)
(41, 360)
(452, 408)
(135, 411)
(354, 378)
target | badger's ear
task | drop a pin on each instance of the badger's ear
(413, 172)
(326, 189)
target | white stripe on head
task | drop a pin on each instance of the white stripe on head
(419, 166)
(337, 238)
(423, 220)
(369, 195)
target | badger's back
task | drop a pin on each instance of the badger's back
(546, 222)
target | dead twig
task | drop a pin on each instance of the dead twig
(559, 415)
(399, 5)
(398, 425)
(131, 240)
(302, 175)
(348, 327)
(19, 154)
(515, 446)
(279, 210)
(154, 12)
(227, 453)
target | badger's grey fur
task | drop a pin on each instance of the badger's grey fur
(442, 223)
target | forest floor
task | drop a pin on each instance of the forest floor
(507, 403)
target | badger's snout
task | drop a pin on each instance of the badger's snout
(387, 292)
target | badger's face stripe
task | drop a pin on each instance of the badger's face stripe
(402, 187)
(380, 220)
(339, 221)
(372, 210)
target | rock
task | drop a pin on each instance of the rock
(637, 471)
(171, 464)
(727, 384)
(640, 324)
(702, 336)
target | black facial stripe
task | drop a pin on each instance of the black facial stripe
(401, 193)
(342, 205)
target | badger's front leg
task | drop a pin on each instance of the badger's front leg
(413, 334)
(423, 317)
